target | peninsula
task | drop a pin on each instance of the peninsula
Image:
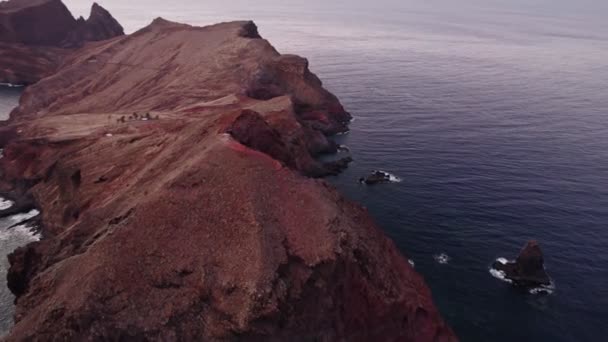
(180, 198)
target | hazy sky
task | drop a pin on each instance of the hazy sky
(508, 20)
(596, 10)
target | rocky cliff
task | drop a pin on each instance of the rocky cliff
(36, 36)
(170, 169)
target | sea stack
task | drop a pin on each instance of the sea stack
(528, 269)
(206, 223)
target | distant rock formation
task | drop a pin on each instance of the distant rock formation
(36, 36)
(528, 269)
(200, 225)
(99, 26)
(50, 23)
(35, 22)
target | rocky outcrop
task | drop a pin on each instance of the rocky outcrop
(252, 130)
(35, 22)
(22, 64)
(201, 224)
(50, 23)
(37, 35)
(528, 269)
(99, 26)
(376, 177)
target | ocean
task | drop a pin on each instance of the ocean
(493, 117)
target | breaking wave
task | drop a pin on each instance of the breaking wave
(10, 85)
(503, 261)
(20, 232)
(542, 290)
(391, 177)
(343, 148)
(18, 218)
(500, 275)
(14, 228)
(5, 204)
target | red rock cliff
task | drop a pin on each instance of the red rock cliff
(168, 166)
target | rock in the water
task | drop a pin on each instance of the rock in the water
(376, 177)
(528, 269)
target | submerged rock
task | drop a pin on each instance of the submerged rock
(376, 177)
(528, 269)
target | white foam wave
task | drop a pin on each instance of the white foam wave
(543, 289)
(5, 204)
(11, 85)
(500, 275)
(343, 148)
(343, 133)
(394, 179)
(442, 258)
(18, 218)
(391, 177)
(21, 232)
(503, 261)
(411, 262)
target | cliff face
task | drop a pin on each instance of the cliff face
(33, 31)
(22, 64)
(168, 166)
(35, 22)
(99, 26)
(50, 23)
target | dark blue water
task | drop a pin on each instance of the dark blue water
(9, 99)
(10, 238)
(495, 116)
